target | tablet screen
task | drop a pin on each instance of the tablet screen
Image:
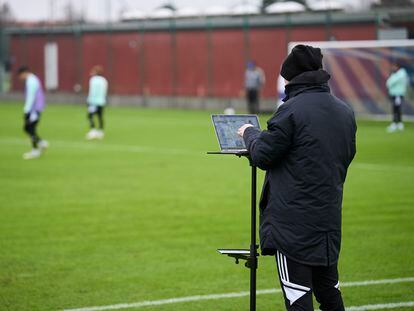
(226, 127)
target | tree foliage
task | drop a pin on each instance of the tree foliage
(6, 14)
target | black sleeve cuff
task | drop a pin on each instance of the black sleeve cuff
(250, 134)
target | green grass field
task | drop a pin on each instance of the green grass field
(139, 215)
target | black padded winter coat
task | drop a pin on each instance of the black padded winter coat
(306, 150)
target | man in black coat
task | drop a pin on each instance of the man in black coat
(306, 150)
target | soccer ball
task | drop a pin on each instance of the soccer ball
(77, 88)
(229, 110)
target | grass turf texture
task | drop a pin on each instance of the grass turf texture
(139, 215)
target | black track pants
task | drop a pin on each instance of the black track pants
(95, 110)
(397, 102)
(299, 282)
(252, 96)
(31, 120)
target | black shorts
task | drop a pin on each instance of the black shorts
(31, 117)
(92, 109)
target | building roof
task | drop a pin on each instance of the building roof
(245, 9)
(187, 12)
(285, 7)
(217, 10)
(133, 15)
(216, 21)
(322, 5)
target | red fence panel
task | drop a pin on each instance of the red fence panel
(95, 51)
(228, 62)
(17, 59)
(268, 49)
(125, 75)
(206, 62)
(308, 33)
(355, 32)
(28, 51)
(158, 75)
(192, 63)
(68, 65)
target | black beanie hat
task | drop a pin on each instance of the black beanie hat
(302, 58)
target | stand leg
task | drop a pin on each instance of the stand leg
(253, 248)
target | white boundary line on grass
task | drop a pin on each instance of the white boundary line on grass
(382, 306)
(382, 167)
(105, 146)
(259, 292)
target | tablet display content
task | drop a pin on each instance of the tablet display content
(226, 127)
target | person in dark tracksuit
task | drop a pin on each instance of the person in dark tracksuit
(306, 150)
(254, 79)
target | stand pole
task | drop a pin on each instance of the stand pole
(243, 254)
(253, 247)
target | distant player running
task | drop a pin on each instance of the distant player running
(33, 107)
(98, 89)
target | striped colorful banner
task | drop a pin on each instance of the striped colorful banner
(359, 76)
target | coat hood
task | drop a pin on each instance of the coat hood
(316, 81)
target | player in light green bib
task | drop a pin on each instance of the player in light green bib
(98, 90)
(397, 85)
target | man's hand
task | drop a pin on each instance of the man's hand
(241, 130)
